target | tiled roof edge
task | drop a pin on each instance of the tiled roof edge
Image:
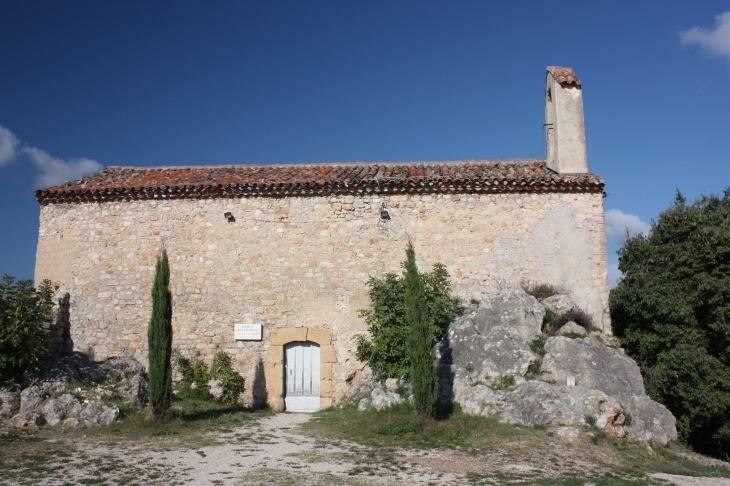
(515, 176)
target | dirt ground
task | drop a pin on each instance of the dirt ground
(275, 451)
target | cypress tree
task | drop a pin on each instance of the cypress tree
(159, 339)
(420, 339)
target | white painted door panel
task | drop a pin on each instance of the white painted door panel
(302, 377)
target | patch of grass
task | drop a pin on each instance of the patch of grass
(538, 346)
(534, 370)
(396, 426)
(505, 383)
(572, 335)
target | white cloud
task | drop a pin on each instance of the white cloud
(53, 171)
(56, 171)
(618, 223)
(717, 41)
(8, 146)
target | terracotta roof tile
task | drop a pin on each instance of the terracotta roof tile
(125, 183)
(564, 75)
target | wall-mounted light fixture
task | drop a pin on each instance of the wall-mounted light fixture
(229, 216)
(384, 216)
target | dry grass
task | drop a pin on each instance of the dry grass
(490, 452)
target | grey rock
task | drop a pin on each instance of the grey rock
(28, 418)
(511, 308)
(479, 400)
(391, 384)
(558, 304)
(571, 327)
(567, 433)
(364, 404)
(650, 421)
(382, 398)
(467, 357)
(593, 365)
(72, 423)
(31, 398)
(96, 413)
(6, 402)
(56, 409)
(537, 403)
(132, 376)
(215, 389)
(612, 372)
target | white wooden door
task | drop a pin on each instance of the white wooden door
(302, 377)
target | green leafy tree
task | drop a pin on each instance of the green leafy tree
(420, 338)
(672, 313)
(159, 339)
(23, 311)
(386, 351)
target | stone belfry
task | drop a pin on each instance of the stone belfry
(565, 132)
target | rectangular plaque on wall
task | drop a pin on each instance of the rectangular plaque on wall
(247, 332)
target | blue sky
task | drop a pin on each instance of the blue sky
(90, 84)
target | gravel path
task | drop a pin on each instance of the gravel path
(275, 452)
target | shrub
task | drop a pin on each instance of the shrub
(231, 381)
(23, 311)
(387, 351)
(159, 339)
(672, 313)
(541, 291)
(197, 372)
(420, 338)
(552, 322)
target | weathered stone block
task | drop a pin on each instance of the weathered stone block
(319, 336)
(325, 388)
(275, 354)
(326, 371)
(328, 354)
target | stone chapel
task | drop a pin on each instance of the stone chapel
(270, 262)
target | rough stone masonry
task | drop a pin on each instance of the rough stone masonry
(300, 242)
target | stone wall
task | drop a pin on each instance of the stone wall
(304, 262)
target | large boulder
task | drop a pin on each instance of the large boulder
(609, 370)
(471, 354)
(478, 399)
(537, 403)
(593, 365)
(513, 309)
(56, 409)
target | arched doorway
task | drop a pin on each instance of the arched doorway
(302, 377)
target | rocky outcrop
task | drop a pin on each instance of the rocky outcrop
(513, 309)
(56, 409)
(31, 398)
(609, 370)
(96, 413)
(42, 399)
(538, 403)
(385, 395)
(486, 365)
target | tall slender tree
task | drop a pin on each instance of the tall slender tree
(420, 341)
(159, 339)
